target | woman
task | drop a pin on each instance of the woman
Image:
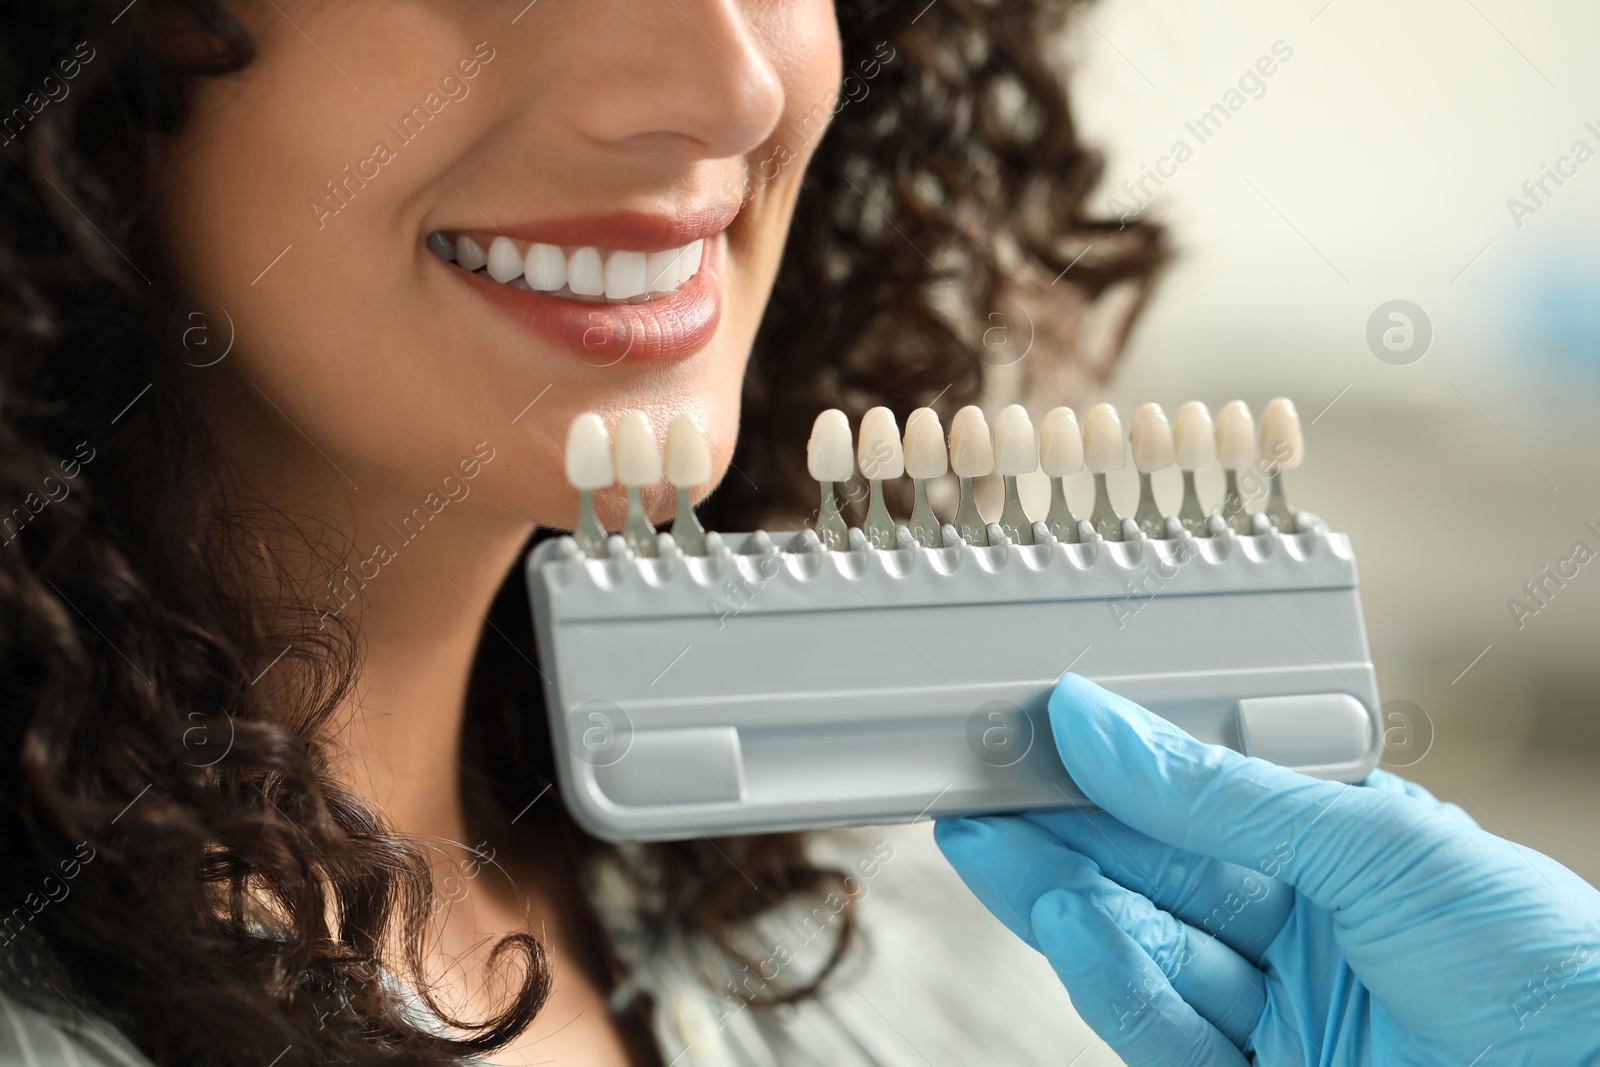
(274, 779)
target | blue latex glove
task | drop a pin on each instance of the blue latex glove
(1225, 908)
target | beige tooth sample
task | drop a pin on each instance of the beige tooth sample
(638, 465)
(971, 456)
(1236, 451)
(1283, 446)
(589, 468)
(1015, 453)
(1150, 441)
(1060, 454)
(881, 459)
(1103, 445)
(1195, 439)
(829, 461)
(688, 464)
(925, 458)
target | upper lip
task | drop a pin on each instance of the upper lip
(636, 231)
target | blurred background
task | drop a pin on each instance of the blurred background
(1384, 160)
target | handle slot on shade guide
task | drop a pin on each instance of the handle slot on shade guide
(721, 683)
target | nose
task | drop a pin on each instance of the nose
(689, 77)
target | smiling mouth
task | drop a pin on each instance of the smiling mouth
(585, 273)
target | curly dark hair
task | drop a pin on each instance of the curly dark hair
(254, 895)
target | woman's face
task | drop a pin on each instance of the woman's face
(593, 150)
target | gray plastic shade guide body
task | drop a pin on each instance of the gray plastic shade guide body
(773, 684)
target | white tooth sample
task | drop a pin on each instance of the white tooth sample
(545, 267)
(1282, 447)
(690, 262)
(589, 467)
(1236, 436)
(880, 457)
(1060, 454)
(829, 460)
(878, 448)
(625, 275)
(688, 463)
(1236, 451)
(638, 464)
(505, 262)
(926, 457)
(1195, 437)
(469, 253)
(585, 275)
(661, 270)
(1150, 439)
(1281, 438)
(971, 447)
(589, 453)
(1015, 451)
(971, 456)
(1103, 441)
(1060, 443)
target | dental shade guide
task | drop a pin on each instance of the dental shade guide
(727, 683)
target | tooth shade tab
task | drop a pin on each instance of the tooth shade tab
(1015, 451)
(1150, 438)
(828, 455)
(638, 459)
(1103, 441)
(470, 254)
(971, 448)
(1060, 443)
(688, 454)
(1194, 437)
(1236, 436)
(1281, 437)
(589, 453)
(878, 450)
(925, 452)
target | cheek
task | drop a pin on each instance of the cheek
(803, 43)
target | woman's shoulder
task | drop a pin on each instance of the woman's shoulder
(46, 1021)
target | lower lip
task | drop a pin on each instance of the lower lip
(669, 327)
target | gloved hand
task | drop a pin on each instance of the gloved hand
(1224, 908)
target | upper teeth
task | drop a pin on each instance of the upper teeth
(584, 272)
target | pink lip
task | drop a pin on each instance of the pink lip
(668, 327)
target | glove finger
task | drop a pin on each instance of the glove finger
(1242, 908)
(1118, 990)
(1013, 863)
(1335, 843)
(1385, 782)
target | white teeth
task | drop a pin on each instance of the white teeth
(1281, 439)
(638, 458)
(1102, 440)
(1014, 449)
(625, 275)
(470, 254)
(1195, 437)
(971, 447)
(1236, 436)
(1150, 438)
(688, 454)
(662, 270)
(1060, 443)
(505, 262)
(545, 267)
(589, 453)
(585, 275)
(925, 452)
(828, 452)
(689, 266)
(878, 450)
